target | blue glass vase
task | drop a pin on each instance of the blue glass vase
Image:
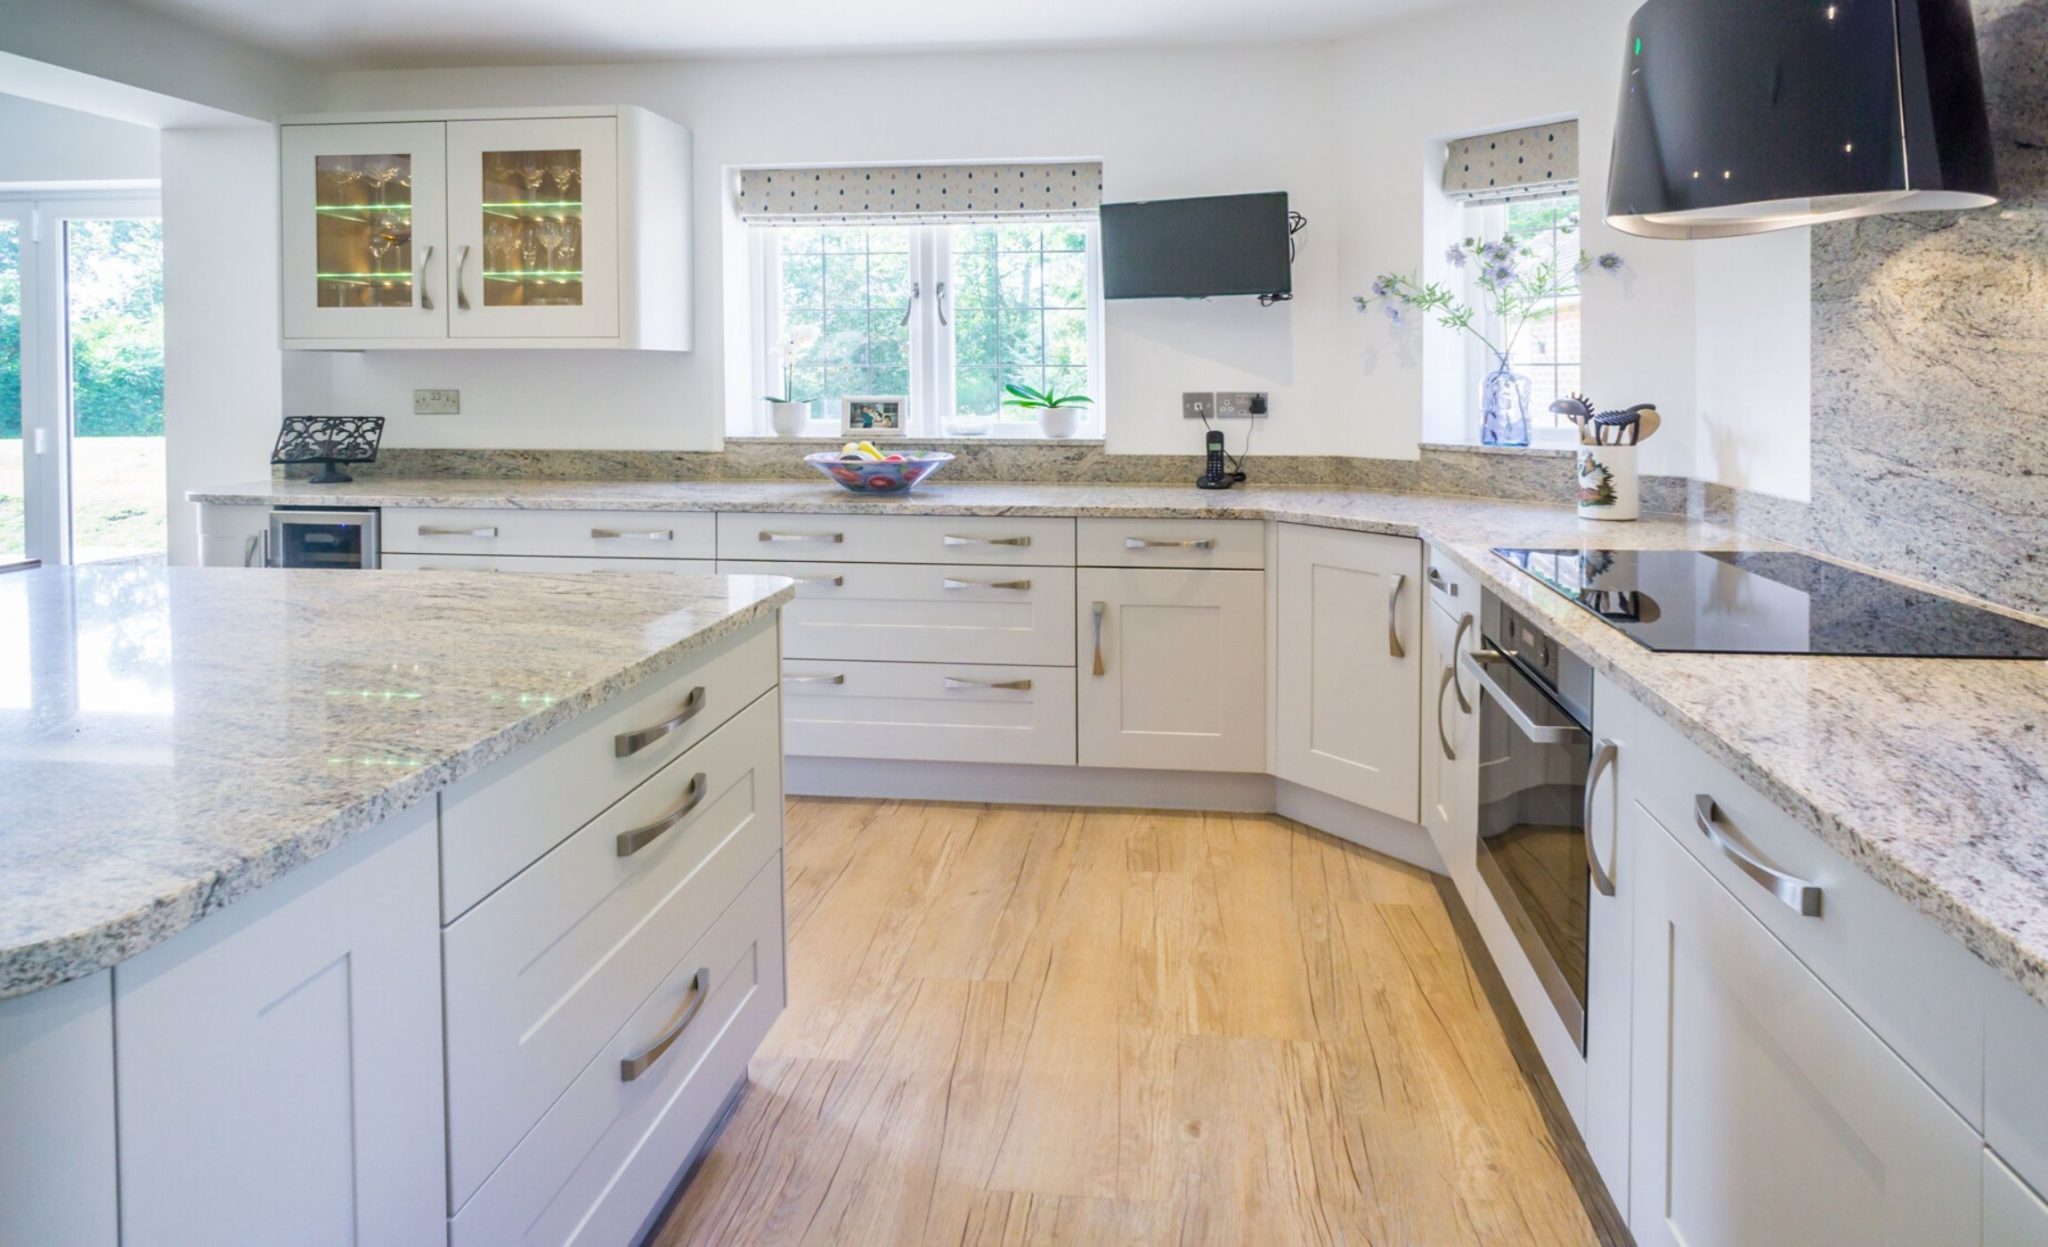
(1504, 406)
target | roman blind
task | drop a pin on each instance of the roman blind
(909, 194)
(1513, 164)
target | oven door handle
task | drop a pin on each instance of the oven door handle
(1476, 665)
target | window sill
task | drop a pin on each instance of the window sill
(840, 439)
(1556, 451)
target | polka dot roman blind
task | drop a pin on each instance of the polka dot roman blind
(1513, 164)
(874, 195)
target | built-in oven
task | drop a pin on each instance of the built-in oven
(1535, 715)
(318, 537)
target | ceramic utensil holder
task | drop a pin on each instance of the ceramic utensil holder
(1608, 488)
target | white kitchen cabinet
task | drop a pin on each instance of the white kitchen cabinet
(1614, 831)
(1350, 666)
(279, 1063)
(1171, 669)
(1763, 1111)
(526, 227)
(57, 1178)
(1450, 747)
(2013, 1215)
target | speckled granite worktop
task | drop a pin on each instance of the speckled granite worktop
(173, 738)
(1932, 775)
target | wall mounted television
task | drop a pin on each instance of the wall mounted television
(1197, 248)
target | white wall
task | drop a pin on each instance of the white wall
(45, 143)
(1753, 423)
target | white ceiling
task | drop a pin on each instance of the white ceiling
(366, 33)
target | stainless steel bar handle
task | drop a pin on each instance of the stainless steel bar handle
(426, 299)
(1147, 543)
(631, 842)
(1436, 579)
(1020, 586)
(461, 292)
(626, 744)
(955, 540)
(1798, 895)
(257, 552)
(833, 581)
(438, 530)
(1475, 665)
(1022, 686)
(839, 678)
(1394, 616)
(1604, 754)
(1099, 608)
(1458, 647)
(827, 538)
(620, 534)
(1443, 739)
(642, 1061)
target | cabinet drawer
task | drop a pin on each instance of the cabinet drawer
(604, 534)
(1171, 543)
(556, 564)
(928, 712)
(1908, 980)
(602, 1157)
(1450, 585)
(495, 822)
(926, 612)
(896, 539)
(550, 964)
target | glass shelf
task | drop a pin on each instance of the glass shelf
(537, 275)
(546, 204)
(373, 208)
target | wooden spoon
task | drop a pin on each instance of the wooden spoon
(1647, 421)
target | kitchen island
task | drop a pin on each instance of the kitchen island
(379, 879)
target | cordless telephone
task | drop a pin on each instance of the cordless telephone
(1216, 475)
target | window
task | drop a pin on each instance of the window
(944, 315)
(1546, 350)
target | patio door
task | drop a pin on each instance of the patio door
(81, 379)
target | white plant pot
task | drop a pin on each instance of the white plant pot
(1059, 421)
(788, 419)
(1608, 487)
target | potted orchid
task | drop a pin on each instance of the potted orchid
(1516, 286)
(788, 415)
(1059, 415)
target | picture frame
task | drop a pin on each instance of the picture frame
(870, 416)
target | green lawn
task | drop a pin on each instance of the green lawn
(117, 497)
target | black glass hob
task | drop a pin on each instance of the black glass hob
(1770, 602)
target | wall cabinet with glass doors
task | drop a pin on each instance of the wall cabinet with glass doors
(536, 228)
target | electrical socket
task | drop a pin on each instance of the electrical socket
(437, 402)
(1241, 404)
(1197, 405)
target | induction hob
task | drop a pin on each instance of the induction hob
(1771, 602)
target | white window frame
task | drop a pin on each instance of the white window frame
(932, 353)
(1487, 221)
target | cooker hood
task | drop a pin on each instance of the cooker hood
(1744, 116)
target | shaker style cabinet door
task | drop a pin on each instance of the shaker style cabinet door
(1450, 739)
(364, 231)
(533, 224)
(1350, 664)
(1764, 1112)
(1172, 669)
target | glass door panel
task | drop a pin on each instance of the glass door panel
(533, 228)
(114, 322)
(13, 473)
(534, 220)
(365, 212)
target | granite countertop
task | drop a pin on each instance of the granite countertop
(171, 739)
(1930, 775)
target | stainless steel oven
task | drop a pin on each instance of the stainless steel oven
(1536, 746)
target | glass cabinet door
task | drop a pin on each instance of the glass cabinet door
(533, 219)
(365, 212)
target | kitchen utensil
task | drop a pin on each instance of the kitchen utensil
(1647, 421)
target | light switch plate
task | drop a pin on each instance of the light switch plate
(1197, 405)
(1241, 404)
(437, 402)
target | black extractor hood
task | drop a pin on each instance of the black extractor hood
(1744, 116)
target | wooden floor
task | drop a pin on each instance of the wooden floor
(1028, 1025)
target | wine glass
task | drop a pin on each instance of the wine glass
(383, 238)
(565, 254)
(533, 173)
(562, 169)
(381, 172)
(343, 174)
(529, 250)
(549, 233)
(498, 245)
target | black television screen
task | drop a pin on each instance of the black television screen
(1196, 248)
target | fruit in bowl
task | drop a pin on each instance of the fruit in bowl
(862, 468)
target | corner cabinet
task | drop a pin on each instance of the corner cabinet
(564, 228)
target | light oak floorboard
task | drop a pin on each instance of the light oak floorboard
(1021, 1025)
